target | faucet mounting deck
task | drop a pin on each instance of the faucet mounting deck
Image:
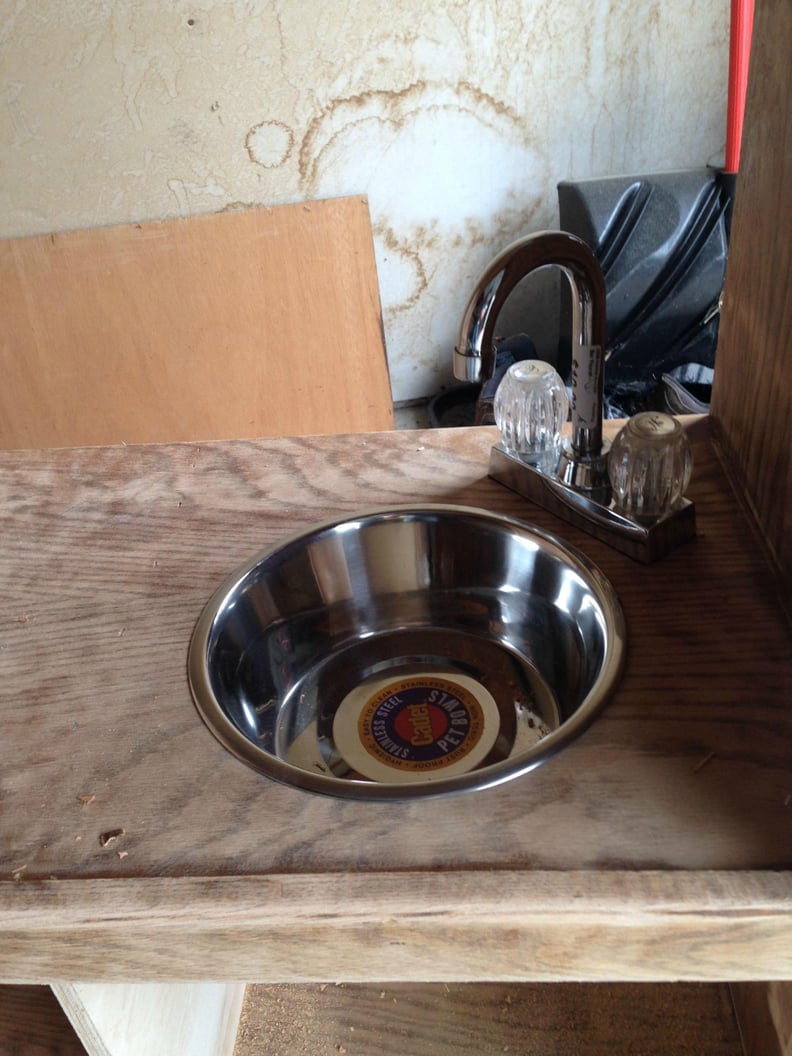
(577, 488)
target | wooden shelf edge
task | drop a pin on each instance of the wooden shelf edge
(478, 925)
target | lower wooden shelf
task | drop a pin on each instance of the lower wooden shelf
(377, 1019)
(32, 1023)
(544, 1019)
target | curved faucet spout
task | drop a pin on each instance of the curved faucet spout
(474, 357)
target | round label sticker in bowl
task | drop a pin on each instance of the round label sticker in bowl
(417, 728)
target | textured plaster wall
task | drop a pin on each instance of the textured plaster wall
(455, 117)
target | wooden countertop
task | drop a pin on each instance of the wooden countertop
(657, 846)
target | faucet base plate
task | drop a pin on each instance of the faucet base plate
(644, 541)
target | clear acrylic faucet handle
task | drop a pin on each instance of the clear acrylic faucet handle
(531, 407)
(650, 464)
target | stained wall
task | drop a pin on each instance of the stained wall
(456, 118)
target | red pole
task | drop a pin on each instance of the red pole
(739, 57)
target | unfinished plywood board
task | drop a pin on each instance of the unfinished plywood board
(243, 324)
(159, 1019)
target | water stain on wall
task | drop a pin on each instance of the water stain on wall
(412, 266)
(269, 143)
(451, 156)
(395, 109)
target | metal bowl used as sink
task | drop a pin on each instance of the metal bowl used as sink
(405, 652)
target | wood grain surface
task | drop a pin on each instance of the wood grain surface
(109, 555)
(488, 1020)
(440, 925)
(32, 1023)
(257, 322)
(764, 1014)
(752, 396)
(780, 1003)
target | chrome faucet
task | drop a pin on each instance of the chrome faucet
(584, 461)
(577, 486)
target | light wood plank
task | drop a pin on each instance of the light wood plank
(488, 1020)
(159, 1019)
(354, 927)
(256, 322)
(109, 555)
(687, 772)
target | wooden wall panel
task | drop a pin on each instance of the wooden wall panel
(32, 1023)
(764, 1013)
(752, 398)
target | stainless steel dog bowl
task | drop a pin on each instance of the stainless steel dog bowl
(407, 652)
